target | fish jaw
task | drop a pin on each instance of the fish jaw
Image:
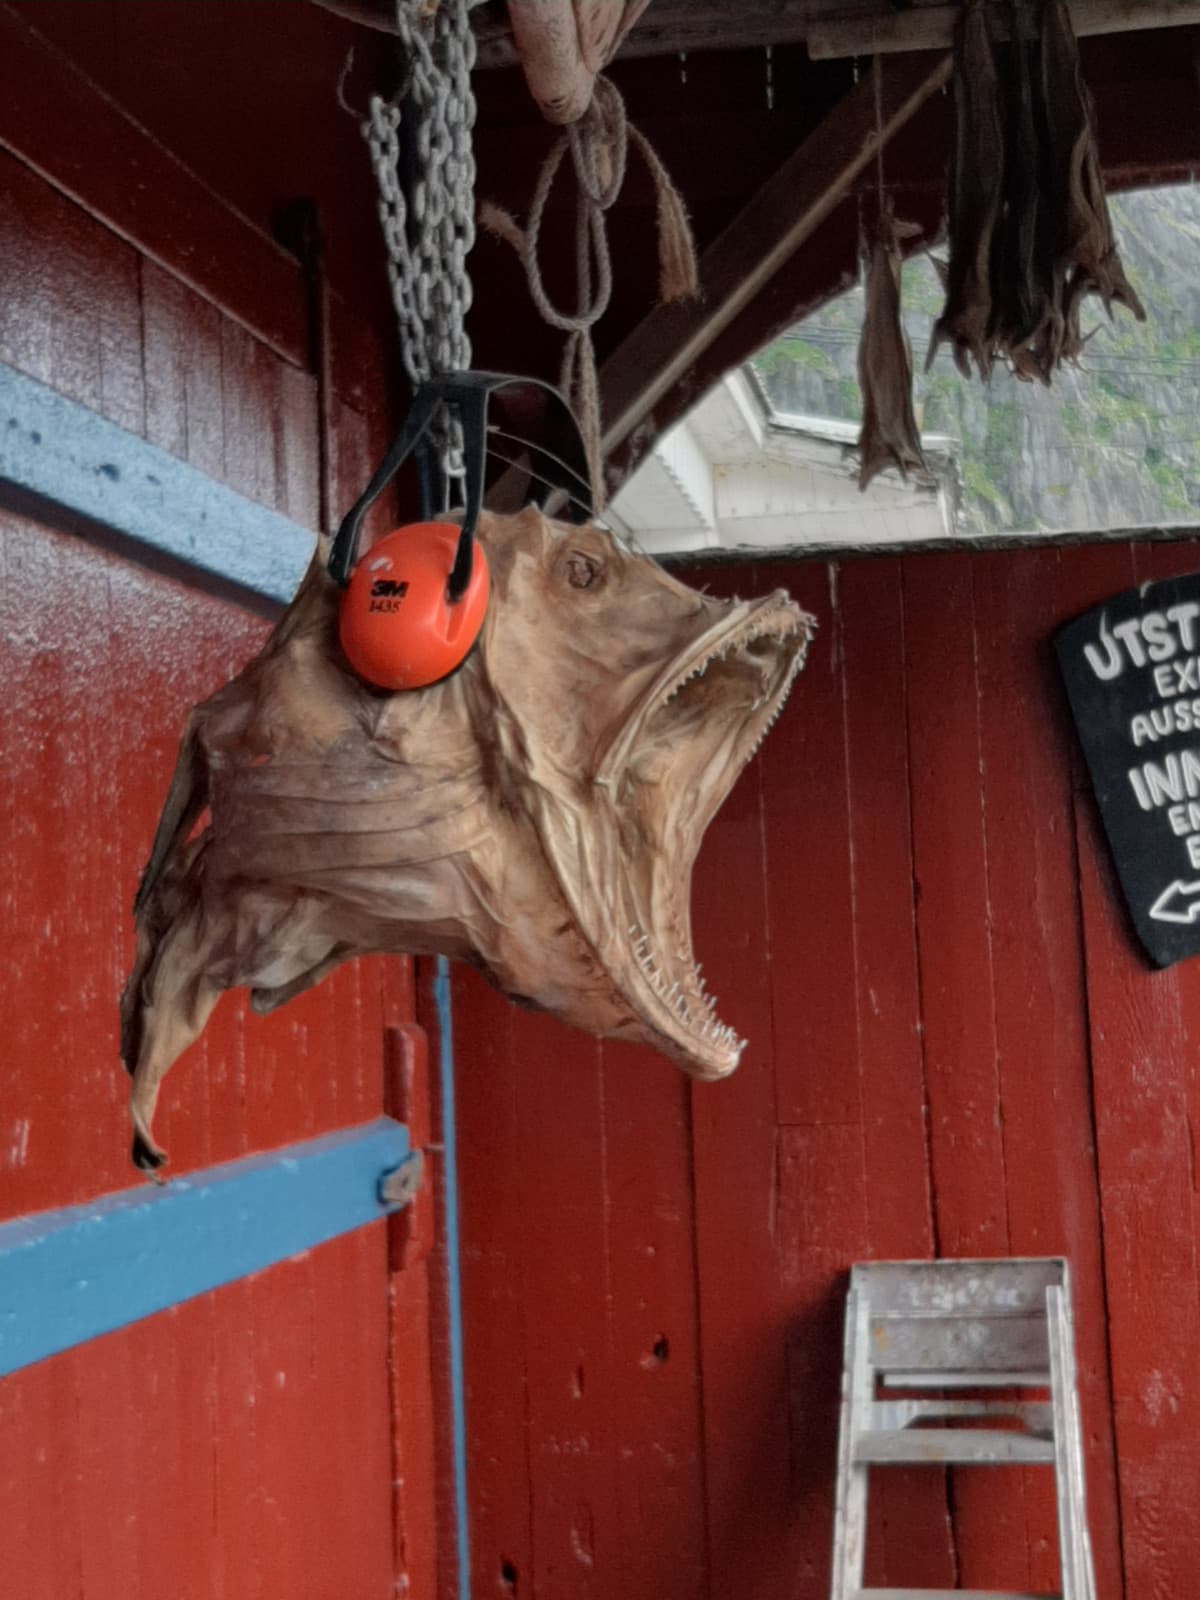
(654, 792)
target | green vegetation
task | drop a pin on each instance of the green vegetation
(1113, 443)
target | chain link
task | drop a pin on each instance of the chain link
(429, 232)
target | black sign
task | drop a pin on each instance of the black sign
(1132, 668)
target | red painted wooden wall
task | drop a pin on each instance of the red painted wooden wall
(276, 1437)
(907, 908)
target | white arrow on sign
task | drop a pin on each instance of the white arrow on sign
(1179, 902)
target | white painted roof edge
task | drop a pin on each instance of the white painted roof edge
(731, 476)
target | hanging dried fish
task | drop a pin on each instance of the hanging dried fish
(1030, 235)
(974, 202)
(1022, 283)
(889, 435)
(1084, 249)
(537, 813)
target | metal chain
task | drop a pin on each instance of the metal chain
(429, 232)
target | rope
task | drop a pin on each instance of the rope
(877, 72)
(599, 145)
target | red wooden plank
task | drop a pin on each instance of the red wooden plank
(142, 192)
(181, 342)
(1040, 986)
(94, 354)
(953, 917)
(1144, 1044)
(582, 1406)
(910, 1532)
(75, 323)
(820, 1204)
(842, 751)
(297, 459)
(744, 1315)
(174, 1398)
(561, 1135)
(808, 889)
(656, 1378)
(885, 1001)
(955, 933)
(417, 1529)
(410, 1088)
(267, 1404)
(495, 1239)
(40, 1481)
(168, 1364)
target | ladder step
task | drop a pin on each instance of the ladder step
(950, 1447)
(957, 1594)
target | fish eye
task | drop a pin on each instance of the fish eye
(582, 570)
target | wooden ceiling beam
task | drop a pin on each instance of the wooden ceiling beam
(931, 27)
(831, 28)
(668, 28)
(667, 344)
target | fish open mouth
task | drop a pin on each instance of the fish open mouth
(666, 775)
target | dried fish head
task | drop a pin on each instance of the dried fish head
(538, 813)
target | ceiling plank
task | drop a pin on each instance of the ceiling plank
(831, 28)
(885, 29)
(669, 27)
(778, 219)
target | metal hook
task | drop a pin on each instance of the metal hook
(394, 100)
(347, 67)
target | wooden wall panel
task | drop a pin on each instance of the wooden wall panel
(1041, 998)
(1144, 1028)
(238, 1445)
(661, 1508)
(959, 1001)
(955, 1047)
(743, 1355)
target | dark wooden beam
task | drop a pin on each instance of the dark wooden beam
(931, 27)
(661, 351)
(674, 27)
(831, 28)
(669, 27)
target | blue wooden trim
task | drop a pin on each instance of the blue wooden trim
(454, 1319)
(67, 1276)
(61, 452)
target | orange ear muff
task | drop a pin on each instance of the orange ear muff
(414, 605)
(397, 623)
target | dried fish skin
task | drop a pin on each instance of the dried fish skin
(537, 813)
(889, 435)
(1030, 233)
(1021, 275)
(974, 195)
(1084, 249)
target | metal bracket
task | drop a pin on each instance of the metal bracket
(401, 1185)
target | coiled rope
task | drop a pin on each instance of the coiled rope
(598, 144)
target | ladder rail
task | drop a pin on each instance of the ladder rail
(850, 1504)
(936, 1330)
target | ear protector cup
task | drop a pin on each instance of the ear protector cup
(414, 606)
(397, 626)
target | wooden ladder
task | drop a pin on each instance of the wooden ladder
(933, 1330)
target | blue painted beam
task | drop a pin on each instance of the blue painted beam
(67, 1276)
(61, 452)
